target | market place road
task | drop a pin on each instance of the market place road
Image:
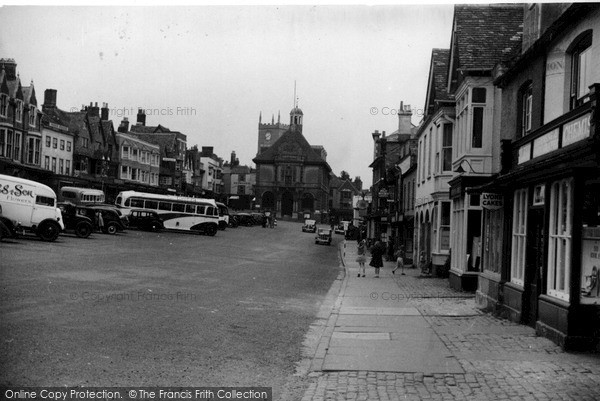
(155, 309)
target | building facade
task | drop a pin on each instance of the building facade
(139, 160)
(292, 177)
(434, 166)
(549, 183)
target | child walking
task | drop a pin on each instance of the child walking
(399, 262)
(362, 257)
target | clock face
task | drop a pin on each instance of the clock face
(268, 136)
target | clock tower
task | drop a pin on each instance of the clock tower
(268, 133)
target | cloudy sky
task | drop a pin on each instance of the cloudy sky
(209, 71)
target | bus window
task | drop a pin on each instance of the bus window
(210, 211)
(150, 204)
(178, 207)
(128, 202)
(137, 202)
(190, 208)
(164, 206)
(44, 200)
(119, 200)
(69, 195)
(200, 210)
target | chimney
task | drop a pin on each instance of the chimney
(404, 116)
(124, 126)
(141, 117)
(207, 151)
(93, 110)
(104, 112)
(232, 162)
(49, 99)
(10, 67)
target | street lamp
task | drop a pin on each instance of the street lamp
(461, 170)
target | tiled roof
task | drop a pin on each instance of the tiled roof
(310, 154)
(14, 87)
(486, 34)
(440, 59)
(166, 141)
(29, 95)
(149, 129)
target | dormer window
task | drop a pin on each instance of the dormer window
(19, 111)
(32, 115)
(3, 105)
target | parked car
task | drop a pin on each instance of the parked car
(233, 221)
(112, 222)
(245, 219)
(342, 227)
(76, 220)
(259, 218)
(310, 226)
(145, 220)
(323, 236)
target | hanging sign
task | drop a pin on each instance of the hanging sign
(492, 201)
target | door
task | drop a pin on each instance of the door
(534, 263)
(287, 204)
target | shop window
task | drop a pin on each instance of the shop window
(519, 237)
(559, 247)
(493, 228)
(590, 244)
(581, 69)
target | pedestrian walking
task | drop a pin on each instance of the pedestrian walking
(100, 220)
(377, 251)
(362, 257)
(399, 262)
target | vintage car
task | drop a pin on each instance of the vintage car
(145, 220)
(310, 226)
(76, 220)
(342, 227)
(112, 219)
(323, 236)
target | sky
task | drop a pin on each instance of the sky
(208, 71)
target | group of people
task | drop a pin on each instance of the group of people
(377, 251)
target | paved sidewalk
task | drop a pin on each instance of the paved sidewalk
(405, 337)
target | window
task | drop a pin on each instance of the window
(54, 164)
(477, 140)
(67, 167)
(137, 202)
(581, 70)
(559, 246)
(201, 210)
(61, 166)
(447, 148)
(190, 209)
(9, 143)
(478, 95)
(2, 142)
(85, 142)
(44, 201)
(32, 115)
(178, 207)
(62, 144)
(519, 237)
(17, 147)
(33, 151)
(164, 206)
(445, 226)
(47, 162)
(19, 111)
(48, 140)
(68, 146)
(124, 172)
(526, 106)
(125, 152)
(429, 150)
(54, 143)
(134, 154)
(3, 105)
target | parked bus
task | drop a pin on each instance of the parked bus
(177, 212)
(30, 206)
(223, 215)
(82, 196)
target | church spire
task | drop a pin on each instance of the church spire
(279, 117)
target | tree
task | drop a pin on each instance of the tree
(344, 175)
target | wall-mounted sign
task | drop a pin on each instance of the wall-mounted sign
(491, 201)
(362, 204)
(383, 193)
(576, 130)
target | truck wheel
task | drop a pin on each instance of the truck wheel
(48, 231)
(83, 229)
(211, 230)
(111, 228)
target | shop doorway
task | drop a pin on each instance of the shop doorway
(534, 263)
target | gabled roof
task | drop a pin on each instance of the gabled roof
(485, 34)
(14, 88)
(166, 141)
(149, 129)
(3, 83)
(437, 84)
(29, 95)
(291, 138)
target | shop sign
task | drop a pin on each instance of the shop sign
(491, 201)
(362, 204)
(576, 130)
(545, 143)
(383, 193)
(525, 153)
